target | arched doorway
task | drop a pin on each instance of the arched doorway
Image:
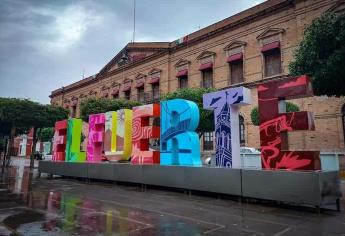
(242, 131)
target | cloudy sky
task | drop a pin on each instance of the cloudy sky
(45, 45)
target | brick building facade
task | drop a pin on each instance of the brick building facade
(250, 47)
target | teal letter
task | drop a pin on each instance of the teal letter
(179, 143)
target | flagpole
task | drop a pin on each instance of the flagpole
(134, 1)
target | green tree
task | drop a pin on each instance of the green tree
(12, 111)
(23, 114)
(101, 105)
(45, 134)
(321, 54)
(254, 114)
(206, 123)
(2, 145)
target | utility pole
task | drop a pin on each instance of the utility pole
(134, 1)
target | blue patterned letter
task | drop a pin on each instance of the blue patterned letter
(179, 143)
(226, 105)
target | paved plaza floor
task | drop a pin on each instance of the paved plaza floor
(41, 206)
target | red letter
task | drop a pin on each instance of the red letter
(274, 125)
(142, 131)
(59, 146)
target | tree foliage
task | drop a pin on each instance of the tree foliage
(24, 114)
(254, 114)
(101, 105)
(321, 54)
(206, 123)
(45, 134)
(12, 111)
(2, 145)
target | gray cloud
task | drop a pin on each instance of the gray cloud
(47, 44)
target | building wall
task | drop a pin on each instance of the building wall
(291, 20)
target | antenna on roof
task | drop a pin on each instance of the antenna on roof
(133, 21)
(83, 73)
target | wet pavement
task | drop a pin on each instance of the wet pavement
(41, 206)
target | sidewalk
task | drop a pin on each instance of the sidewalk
(57, 206)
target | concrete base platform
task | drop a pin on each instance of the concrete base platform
(319, 189)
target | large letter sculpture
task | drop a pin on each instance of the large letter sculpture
(226, 105)
(179, 143)
(95, 140)
(118, 135)
(59, 146)
(274, 125)
(142, 132)
(73, 152)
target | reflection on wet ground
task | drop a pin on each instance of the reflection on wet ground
(41, 206)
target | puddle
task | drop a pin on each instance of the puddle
(29, 206)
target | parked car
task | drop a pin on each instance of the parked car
(243, 150)
(249, 150)
(48, 157)
(208, 161)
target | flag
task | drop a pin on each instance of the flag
(181, 40)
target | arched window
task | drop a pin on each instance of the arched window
(242, 131)
(343, 119)
(208, 141)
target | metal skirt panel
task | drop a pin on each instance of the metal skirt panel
(288, 186)
(218, 180)
(72, 169)
(315, 188)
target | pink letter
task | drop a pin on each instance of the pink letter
(95, 140)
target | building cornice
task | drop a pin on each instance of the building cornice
(79, 84)
(281, 5)
(244, 17)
